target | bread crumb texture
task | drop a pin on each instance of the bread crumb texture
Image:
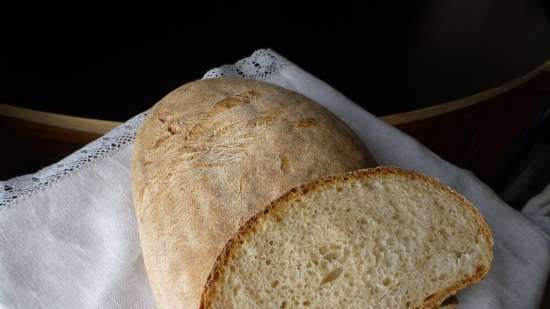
(379, 238)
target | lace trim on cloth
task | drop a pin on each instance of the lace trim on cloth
(260, 65)
(17, 188)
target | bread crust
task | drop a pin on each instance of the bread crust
(248, 228)
(210, 155)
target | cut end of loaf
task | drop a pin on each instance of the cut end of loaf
(375, 238)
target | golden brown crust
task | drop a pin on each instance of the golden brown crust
(248, 228)
(211, 154)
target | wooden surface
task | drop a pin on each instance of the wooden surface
(477, 137)
(81, 124)
(29, 146)
(472, 133)
(459, 104)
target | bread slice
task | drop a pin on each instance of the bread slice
(374, 238)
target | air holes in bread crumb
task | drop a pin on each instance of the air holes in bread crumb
(333, 275)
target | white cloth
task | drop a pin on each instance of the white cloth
(68, 236)
(538, 209)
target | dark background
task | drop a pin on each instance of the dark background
(111, 63)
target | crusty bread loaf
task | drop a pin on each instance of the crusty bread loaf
(213, 153)
(375, 238)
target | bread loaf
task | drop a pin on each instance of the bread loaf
(375, 238)
(210, 155)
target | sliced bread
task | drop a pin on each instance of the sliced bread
(374, 238)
